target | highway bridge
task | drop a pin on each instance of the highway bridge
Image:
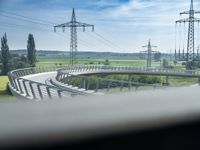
(48, 83)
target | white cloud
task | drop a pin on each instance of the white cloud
(133, 22)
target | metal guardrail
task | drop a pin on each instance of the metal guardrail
(104, 83)
(34, 90)
(84, 73)
(111, 69)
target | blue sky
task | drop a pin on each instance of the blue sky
(126, 24)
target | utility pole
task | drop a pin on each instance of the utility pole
(73, 25)
(149, 53)
(191, 20)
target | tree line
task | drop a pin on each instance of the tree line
(9, 62)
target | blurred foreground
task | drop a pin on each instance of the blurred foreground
(161, 119)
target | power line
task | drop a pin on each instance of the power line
(101, 41)
(108, 33)
(14, 17)
(108, 41)
(98, 37)
(40, 21)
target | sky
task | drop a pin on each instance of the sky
(120, 25)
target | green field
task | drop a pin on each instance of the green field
(3, 84)
(56, 61)
(4, 93)
(63, 60)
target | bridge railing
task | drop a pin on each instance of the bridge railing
(64, 75)
(39, 91)
(31, 89)
(82, 69)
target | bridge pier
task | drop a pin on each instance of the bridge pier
(83, 83)
(121, 87)
(97, 85)
(109, 85)
(88, 84)
(129, 80)
(167, 80)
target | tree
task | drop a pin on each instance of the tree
(157, 56)
(5, 55)
(20, 62)
(107, 62)
(165, 63)
(23, 59)
(31, 50)
(175, 62)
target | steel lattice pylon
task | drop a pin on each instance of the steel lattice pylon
(191, 20)
(149, 53)
(73, 25)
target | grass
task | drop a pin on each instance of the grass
(4, 96)
(53, 61)
(182, 81)
(50, 61)
(3, 84)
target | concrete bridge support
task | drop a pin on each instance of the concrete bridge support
(121, 87)
(109, 86)
(84, 82)
(97, 86)
(88, 84)
(129, 80)
(167, 80)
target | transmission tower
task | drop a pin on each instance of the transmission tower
(73, 25)
(191, 20)
(149, 52)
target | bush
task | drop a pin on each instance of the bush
(165, 63)
(107, 62)
(1, 68)
(191, 65)
(184, 64)
(91, 63)
(103, 84)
